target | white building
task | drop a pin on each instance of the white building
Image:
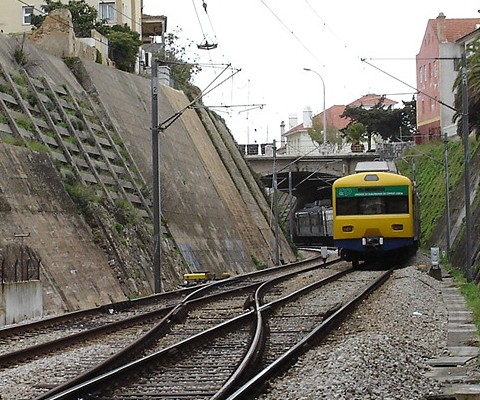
(16, 16)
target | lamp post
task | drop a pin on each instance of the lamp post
(324, 106)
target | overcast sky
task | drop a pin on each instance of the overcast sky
(271, 41)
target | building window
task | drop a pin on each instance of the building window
(106, 11)
(435, 69)
(27, 12)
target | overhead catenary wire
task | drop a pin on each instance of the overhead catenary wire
(210, 21)
(205, 45)
(291, 32)
(217, 46)
(170, 120)
(410, 86)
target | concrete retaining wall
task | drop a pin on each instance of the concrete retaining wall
(20, 301)
(216, 215)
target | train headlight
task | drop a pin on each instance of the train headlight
(397, 227)
(347, 228)
(372, 241)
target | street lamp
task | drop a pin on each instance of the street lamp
(324, 106)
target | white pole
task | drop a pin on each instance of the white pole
(324, 106)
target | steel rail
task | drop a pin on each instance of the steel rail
(110, 368)
(176, 315)
(256, 384)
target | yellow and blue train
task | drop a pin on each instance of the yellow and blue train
(375, 214)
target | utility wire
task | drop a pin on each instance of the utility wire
(210, 21)
(291, 32)
(170, 120)
(325, 24)
(410, 86)
(198, 19)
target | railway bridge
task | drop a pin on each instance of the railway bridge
(303, 182)
(306, 176)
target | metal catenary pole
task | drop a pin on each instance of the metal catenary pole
(275, 203)
(157, 248)
(465, 133)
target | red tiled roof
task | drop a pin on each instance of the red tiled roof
(294, 129)
(334, 113)
(454, 29)
(370, 100)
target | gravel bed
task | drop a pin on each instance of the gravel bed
(379, 354)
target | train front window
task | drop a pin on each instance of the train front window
(372, 205)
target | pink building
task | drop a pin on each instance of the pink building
(437, 67)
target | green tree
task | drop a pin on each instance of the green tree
(316, 133)
(123, 44)
(473, 90)
(388, 122)
(175, 56)
(355, 133)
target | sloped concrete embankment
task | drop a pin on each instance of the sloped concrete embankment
(74, 270)
(215, 217)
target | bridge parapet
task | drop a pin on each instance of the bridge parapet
(335, 164)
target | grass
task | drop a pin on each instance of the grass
(430, 178)
(470, 292)
(429, 167)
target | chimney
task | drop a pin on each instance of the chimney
(292, 121)
(441, 30)
(282, 128)
(307, 117)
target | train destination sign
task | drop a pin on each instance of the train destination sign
(371, 191)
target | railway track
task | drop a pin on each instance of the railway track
(212, 363)
(88, 349)
(281, 354)
(30, 339)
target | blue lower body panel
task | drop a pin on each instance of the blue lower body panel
(388, 245)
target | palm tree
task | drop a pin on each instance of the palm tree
(354, 134)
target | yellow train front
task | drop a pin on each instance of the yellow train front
(375, 214)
